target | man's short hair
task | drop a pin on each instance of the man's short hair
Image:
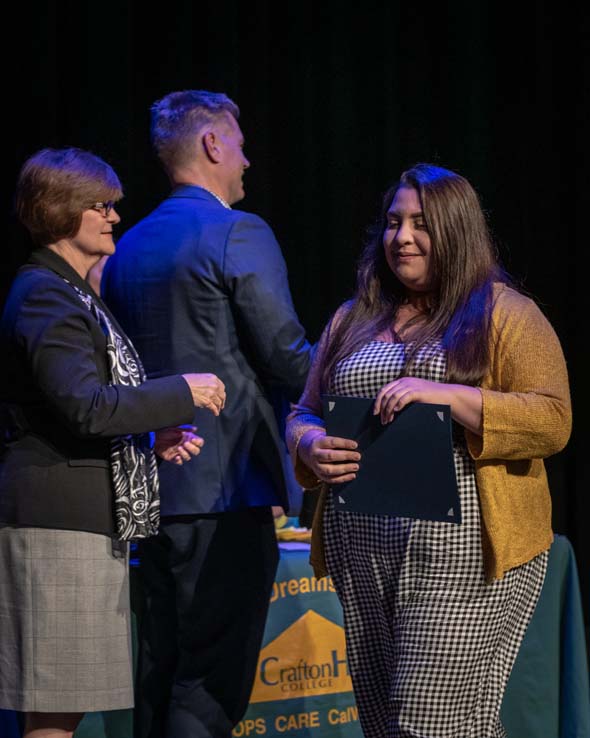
(177, 119)
(56, 186)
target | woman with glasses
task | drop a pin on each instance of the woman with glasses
(78, 476)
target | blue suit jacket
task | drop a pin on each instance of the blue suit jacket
(201, 288)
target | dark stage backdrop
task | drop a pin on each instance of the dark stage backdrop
(335, 104)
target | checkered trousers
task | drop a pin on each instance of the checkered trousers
(430, 644)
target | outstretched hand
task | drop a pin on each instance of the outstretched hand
(208, 391)
(178, 444)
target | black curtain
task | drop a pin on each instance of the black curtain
(335, 104)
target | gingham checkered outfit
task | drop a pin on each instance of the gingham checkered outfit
(430, 644)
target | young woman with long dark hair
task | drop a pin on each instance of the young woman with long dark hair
(435, 612)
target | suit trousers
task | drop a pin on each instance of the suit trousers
(205, 583)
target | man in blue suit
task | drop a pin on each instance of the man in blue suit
(200, 287)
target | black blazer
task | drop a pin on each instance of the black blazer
(57, 408)
(199, 287)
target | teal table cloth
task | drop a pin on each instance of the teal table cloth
(548, 695)
(303, 688)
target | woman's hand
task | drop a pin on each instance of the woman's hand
(179, 444)
(333, 460)
(465, 401)
(394, 396)
(208, 391)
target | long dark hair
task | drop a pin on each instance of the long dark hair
(465, 266)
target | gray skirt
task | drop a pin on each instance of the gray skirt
(65, 635)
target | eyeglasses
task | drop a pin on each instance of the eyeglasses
(104, 208)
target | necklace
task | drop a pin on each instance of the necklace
(217, 197)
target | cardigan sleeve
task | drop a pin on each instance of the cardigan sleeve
(307, 414)
(526, 401)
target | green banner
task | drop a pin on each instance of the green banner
(302, 686)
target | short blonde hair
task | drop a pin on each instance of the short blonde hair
(177, 119)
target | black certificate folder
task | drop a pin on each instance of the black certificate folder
(407, 468)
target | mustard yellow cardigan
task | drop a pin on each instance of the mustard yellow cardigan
(526, 417)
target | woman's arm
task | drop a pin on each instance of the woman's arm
(526, 408)
(317, 457)
(54, 331)
(523, 410)
(465, 402)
